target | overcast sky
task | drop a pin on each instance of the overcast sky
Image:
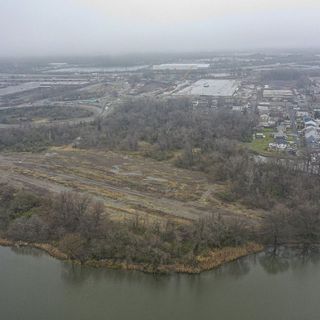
(51, 27)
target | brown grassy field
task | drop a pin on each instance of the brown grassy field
(128, 184)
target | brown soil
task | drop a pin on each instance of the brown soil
(128, 184)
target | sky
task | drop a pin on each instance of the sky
(95, 27)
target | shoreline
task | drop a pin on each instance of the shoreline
(212, 260)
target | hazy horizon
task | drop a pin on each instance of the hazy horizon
(106, 27)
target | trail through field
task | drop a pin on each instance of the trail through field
(128, 185)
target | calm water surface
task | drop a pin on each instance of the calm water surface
(34, 286)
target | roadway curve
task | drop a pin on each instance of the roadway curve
(97, 111)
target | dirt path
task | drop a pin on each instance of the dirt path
(136, 202)
(127, 185)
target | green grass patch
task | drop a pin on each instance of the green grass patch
(260, 146)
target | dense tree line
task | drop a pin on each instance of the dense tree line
(33, 139)
(81, 228)
(170, 124)
(206, 140)
(288, 195)
(18, 115)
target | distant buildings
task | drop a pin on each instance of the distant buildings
(277, 95)
(311, 136)
(180, 66)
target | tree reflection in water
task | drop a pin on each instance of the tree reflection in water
(274, 263)
(284, 258)
(28, 251)
(73, 273)
(236, 269)
(77, 275)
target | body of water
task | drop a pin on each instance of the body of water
(34, 286)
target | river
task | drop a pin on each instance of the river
(35, 286)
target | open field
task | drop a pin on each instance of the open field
(128, 184)
(261, 146)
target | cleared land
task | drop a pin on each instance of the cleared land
(261, 146)
(128, 184)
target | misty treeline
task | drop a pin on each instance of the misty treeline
(82, 228)
(300, 78)
(284, 74)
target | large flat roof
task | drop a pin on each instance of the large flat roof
(212, 87)
(276, 93)
(181, 66)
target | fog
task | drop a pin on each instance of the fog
(82, 27)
